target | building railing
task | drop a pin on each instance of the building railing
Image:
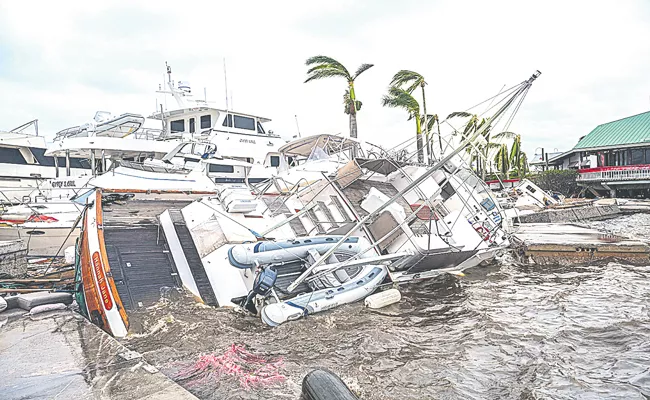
(610, 174)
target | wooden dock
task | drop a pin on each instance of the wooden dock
(574, 244)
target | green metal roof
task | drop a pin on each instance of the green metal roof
(626, 131)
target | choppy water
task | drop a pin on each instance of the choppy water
(502, 332)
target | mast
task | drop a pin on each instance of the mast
(524, 87)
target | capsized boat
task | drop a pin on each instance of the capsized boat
(373, 223)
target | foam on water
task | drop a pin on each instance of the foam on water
(507, 331)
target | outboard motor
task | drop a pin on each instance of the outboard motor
(262, 286)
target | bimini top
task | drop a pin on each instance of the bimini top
(331, 144)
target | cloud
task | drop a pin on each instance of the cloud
(62, 63)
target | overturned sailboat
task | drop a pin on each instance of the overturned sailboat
(371, 224)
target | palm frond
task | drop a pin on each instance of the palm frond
(502, 159)
(505, 135)
(325, 73)
(362, 69)
(325, 67)
(459, 114)
(432, 119)
(406, 77)
(400, 98)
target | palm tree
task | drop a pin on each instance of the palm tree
(480, 150)
(516, 154)
(431, 122)
(414, 80)
(502, 160)
(327, 67)
(400, 98)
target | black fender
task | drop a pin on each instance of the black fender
(323, 384)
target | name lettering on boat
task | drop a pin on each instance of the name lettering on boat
(101, 281)
(252, 141)
(60, 184)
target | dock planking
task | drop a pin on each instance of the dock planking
(571, 243)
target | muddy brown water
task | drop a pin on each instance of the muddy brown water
(506, 331)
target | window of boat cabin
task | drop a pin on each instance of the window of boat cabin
(11, 156)
(228, 169)
(227, 121)
(206, 121)
(275, 161)
(244, 123)
(178, 125)
(192, 125)
(260, 128)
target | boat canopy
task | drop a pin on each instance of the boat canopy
(382, 166)
(331, 144)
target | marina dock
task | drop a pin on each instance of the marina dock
(564, 243)
(60, 354)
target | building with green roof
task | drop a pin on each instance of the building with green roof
(613, 158)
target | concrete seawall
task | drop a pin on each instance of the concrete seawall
(571, 214)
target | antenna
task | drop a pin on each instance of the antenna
(225, 78)
(297, 127)
(169, 72)
(205, 94)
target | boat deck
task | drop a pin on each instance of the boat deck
(138, 255)
(570, 243)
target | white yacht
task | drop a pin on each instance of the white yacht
(133, 150)
(24, 165)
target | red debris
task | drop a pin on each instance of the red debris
(252, 370)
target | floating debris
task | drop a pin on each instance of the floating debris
(252, 370)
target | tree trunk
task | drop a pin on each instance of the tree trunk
(353, 133)
(419, 140)
(353, 125)
(426, 125)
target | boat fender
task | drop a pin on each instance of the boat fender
(3, 304)
(47, 307)
(323, 384)
(383, 298)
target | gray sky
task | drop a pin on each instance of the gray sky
(62, 61)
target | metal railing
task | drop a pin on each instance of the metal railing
(630, 173)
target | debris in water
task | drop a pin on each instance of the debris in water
(253, 370)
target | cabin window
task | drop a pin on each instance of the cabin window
(11, 156)
(637, 156)
(530, 189)
(647, 156)
(275, 161)
(192, 125)
(292, 161)
(228, 121)
(260, 128)
(178, 125)
(229, 169)
(244, 123)
(206, 121)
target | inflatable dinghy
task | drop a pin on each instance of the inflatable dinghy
(334, 283)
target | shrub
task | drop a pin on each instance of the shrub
(558, 180)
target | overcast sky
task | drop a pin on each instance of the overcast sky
(62, 61)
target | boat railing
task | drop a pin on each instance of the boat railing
(622, 173)
(153, 168)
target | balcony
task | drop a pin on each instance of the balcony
(615, 174)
